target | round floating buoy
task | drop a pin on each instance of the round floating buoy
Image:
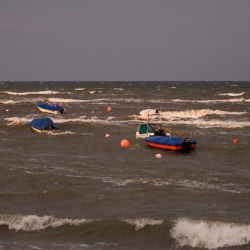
(7, 110)
(109, 109)
(107, 135)
(125, 143)
(236, 140)
(158, 156)
(92, 112)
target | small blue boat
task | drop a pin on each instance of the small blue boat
(170, 143)
(43, 125)
(47, 107)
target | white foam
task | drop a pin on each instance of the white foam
(196, 113)
(233, 94)
(200, 123)
(141, 223)
(34, 222)
(47, 92)
(17, 121)
(61, 133)
(9, 101)
(210, 234)
(196, 118)
(234, 100)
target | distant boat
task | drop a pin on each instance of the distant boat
(148, 129)
(43, 125)
(47, 107)
(171, 143)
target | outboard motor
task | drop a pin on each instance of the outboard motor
(186, 144)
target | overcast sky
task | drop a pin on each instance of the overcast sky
(124, 40)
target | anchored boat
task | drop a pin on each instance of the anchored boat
(170, 143)
(47, 107)
(43, 125)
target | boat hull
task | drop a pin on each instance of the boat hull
(49, 111)
(33, 129)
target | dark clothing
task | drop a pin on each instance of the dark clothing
(160, 132)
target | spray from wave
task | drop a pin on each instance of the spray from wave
(210, 234)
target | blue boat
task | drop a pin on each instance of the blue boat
(43, 125)
(47, 107)
(170, 143)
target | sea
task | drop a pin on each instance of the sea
(81, 188)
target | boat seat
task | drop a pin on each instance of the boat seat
(143, 129)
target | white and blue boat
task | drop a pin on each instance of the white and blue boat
(148, 129)
(43, 125)
(52, 108)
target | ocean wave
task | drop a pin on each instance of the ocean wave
(210, 234)
(171, 121)
(200, 123)
(203, 234)
(99, 101)
(46, 92)
(79, 88)
(195, 117)
(61, 133)
(35, 223)
(234, 100)
(185, 183)
(233, 94)
(189, 113)
(141, 223)
(197, 113)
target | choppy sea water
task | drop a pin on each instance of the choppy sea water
(77, 189)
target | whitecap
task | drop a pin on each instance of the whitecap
(210, 234)
(141, 223)
(35, 223)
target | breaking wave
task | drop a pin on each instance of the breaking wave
(186, 232)
(34, 222)
(234, 100)
(210, 234)
(233, 94)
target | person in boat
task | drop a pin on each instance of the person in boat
(49, 127)
(160, 131)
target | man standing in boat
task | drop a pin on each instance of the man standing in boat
(160, 131)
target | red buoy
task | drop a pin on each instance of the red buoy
(236, 140)
(125, 143)
(109, 109)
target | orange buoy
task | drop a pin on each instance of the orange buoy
(109, 109)
(125, 143)
(236, 140)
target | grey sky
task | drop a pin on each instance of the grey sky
(124, 40)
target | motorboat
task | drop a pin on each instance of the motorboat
(48, 107)
(149, 129)
(43, 125)
(170, 143)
